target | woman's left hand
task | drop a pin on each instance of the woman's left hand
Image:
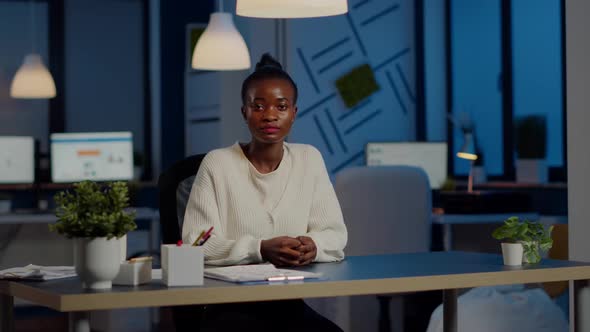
(308, 249)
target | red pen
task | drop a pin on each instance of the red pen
(206, 236)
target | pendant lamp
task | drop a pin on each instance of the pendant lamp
(32, 80)
(221, 47)
(290, 8)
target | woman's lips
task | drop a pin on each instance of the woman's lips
(270, 130)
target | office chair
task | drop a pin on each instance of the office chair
(174, 187)
(387, 209)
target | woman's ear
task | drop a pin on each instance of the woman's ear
(295, 109)
(243, 111)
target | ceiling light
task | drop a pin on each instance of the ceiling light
(290, 8)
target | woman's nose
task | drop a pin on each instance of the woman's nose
(270, 114)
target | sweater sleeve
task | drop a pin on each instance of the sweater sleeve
(326, 225)
(202, 212)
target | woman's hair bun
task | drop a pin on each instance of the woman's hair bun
(268, 62)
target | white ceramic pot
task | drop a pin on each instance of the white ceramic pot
(97, 261)
(531, 171)
(123, 247)
(512, 253)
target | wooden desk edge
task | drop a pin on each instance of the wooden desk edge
(34, 295)
(248, 293)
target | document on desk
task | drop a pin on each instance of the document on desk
(257, 272)
(38, 272)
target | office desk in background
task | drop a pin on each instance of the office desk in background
(447, 221)
(143, 213)
(356, 275)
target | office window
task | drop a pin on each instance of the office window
(537, 68)
(476, 56)
(506, 62)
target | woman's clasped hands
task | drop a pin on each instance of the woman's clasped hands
(288, 251)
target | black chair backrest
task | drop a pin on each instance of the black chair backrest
(168, 183)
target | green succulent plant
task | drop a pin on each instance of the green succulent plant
(94, 210)
(535, 238)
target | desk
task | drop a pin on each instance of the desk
(143, 213)
(448, 220)
(356, 275)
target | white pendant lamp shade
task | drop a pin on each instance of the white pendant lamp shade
(32, 80)
(290, 8)
(221, 47)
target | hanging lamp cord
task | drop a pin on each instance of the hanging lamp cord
(33, 26)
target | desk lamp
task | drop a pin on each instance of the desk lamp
(468, 152)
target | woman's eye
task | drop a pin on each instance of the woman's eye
(258, 106)
(282, 107)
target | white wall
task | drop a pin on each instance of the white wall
(578, 135)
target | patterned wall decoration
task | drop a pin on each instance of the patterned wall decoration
(375, 32)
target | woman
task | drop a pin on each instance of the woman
(268, 200)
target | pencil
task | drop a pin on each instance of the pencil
(140, 259)
(196, 243)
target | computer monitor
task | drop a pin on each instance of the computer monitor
(17, 159)
(91, 156)
(431, 156)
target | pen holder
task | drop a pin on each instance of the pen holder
(182, 265)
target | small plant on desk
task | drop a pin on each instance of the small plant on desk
(532, 236)
(95, 217)
(94, 211)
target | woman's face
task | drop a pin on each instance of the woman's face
(269, 109)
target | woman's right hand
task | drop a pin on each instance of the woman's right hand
(281, 251)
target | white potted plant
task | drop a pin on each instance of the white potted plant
(95, 217)
(523, 240)
(531, 148)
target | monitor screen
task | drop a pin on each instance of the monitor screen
(17, 159)
(431, 156)
(91, 156)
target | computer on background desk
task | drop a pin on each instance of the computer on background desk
(430, 156)
(17, 160)
(104, 156)
(17, 166)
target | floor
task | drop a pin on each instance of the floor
(34, 319)
(40, 319)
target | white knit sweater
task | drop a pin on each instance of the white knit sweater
(246, 207)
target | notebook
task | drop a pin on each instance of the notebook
(257, 272)
(38, 273)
